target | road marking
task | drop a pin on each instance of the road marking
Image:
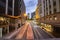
(30, 32)
(35, 34)
(34, 29)
(39, 33)
(21, 33)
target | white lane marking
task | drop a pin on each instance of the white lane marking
(21, 33)
(30, 32)
(39, 33)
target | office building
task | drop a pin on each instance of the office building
(32, 15)
(50, 12)
(11, 12)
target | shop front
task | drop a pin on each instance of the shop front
(7, 25)
(4, 24)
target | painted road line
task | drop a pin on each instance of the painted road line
(30, 32)
(35, 33)
(40, 36)
(21, 33)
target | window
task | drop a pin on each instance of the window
(9, 12)
(49, 1)
(20, 5)
(59, 4)
(50, 12)
(59, 1)
(2, 10)
(3, 1)
(46, 14)
(20, 11)
(54, 3)
(46, 8)
(10, 3)
(50, 6)
(20, 0)
(54, 10)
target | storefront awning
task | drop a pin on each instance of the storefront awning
(10, 16)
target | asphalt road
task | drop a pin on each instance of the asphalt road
(39, 33)
(29, 31)
(24, 32)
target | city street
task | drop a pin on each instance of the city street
(29, 19)
(29, 30)
(39, 33)
(24, 32)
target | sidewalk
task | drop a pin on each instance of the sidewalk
(12, 34)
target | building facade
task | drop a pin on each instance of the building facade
(49, 12)
(37, 16)
(11, 12)
(48, 7)
(12, 7)
(23, 11)
(32, 15)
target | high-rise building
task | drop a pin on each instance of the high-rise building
(32, 15)
(38, 10)
(28, 15)
(11, 12)
(37, 16)
(48, 7)
(49, 12)
(12, 7)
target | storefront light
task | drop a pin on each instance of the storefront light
(49, 25)
(45, 25)
(42, 23)
(2, 19)
(50, 18)
(55, 18)
(25, 15)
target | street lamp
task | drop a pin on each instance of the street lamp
(55, 18)
(25, 15)
(2, 19)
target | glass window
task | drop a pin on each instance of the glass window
(3, 1)
(54, 10)
(50, 6)
(54, 3)
(2, 10)
(50, 12)
(10, 3)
